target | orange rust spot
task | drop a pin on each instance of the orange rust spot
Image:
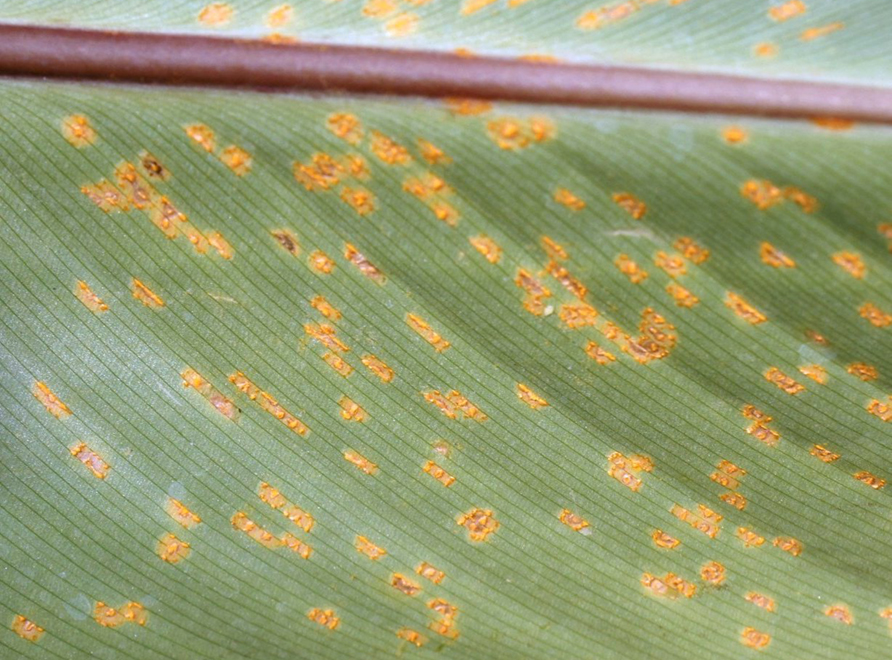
(578, 315)
(852, 263)
(439, 473)
(568, 199)
(751, 412)
(279, 16)
(202, 135)
(369, 549)
(658, 338)
(107, 197)
(668, 586)
(788, 10)
(26, 629)
(734, 134)
(402, 25)
(365, 266)
(325, 308)
(663, 540)
(345, 125)
(91, 459)
(325, 618)
(530, 398)
(766, 49)
(574, 521)
(788, 544)
(445, 212)
(749, 537)
(292, 512)
(864, 371)
(822, 31)
(630, 269)
(682, 296)
(411, 636)
(432, 153)
(823, 453)
(773, 257)
(448, 613)
(454, 405)
(875, 315)
(171, 549)
(361, 462)
(469, 7)
(378, 367)
(784, 382)
(570, 283)
(763, 433)
(754, 639)
(432, 573)
(401, 583)
(323, 173)
(78, 131)
(479, 523)
(728, 475)
(237, 159)
(267, 403)
(50, 401)
(553, 249)
(816, 372)
(421, 327)
(841, 613)
(871, 480)
(321, 262)
(181, 514)
(326, 335)
(598, 354)
(806, 202)
(352, 411)
(112, 618)
(743, 309)
(468, 107)
(691, 250)
(673, 264)
(736, 500)
(220, 244)
(607, 15)
(763, 194)
(152, 167)
(705, 520)
(145, 295)
(221, 404)
(630, 204)
(389, 151)
(713, 573)
(379, 8)
(361, 200)
(627, 469)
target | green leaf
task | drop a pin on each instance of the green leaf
(534, 587)
(842, 41)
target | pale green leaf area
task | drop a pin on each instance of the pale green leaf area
(535, 588)
(707, 35)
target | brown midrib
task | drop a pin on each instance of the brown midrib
(201, 60)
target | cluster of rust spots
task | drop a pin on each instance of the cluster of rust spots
(628, 469)
(657, 339)
(145, 295)
(112, 617)
(630, 204)
(737, 304)
(669, 586)
(789, 545)
(93, 461)
(851, 262)
(536, 292)
(513, 134)
(50, 401)
(366, 267)
(447, 613)
(599, 354)
(454, 405)
(729, 475)
(232, 156)
(880, 409)
(26, 628)
(529, 397)
(764, 195)
(324, 172)
(267, 539)
(325, 618)
(874, 315)
(78, 131)
(480, 523)
(411, 636)
(784, 382)
(816, 372)
(267, 402)
(578, 315)
(272, 497)
(433, 191)
(705, 520)
(361, 462)
(574, 521)
(404, 585)
(369, 549)
(750, 538)
(326, 335)
(663, 540)
(438, 473)
(132, 190)
(759, 426)
(823, 454)
(321, 262)
(430, 572)
(395, 22)
(596, 19)
(630, 268)
(89, 299)
(870, 479)
(171, 549)
(181, 514)
(378, 367)
(220, 403)
(672, 264)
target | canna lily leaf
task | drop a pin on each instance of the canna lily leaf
(349, 377)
